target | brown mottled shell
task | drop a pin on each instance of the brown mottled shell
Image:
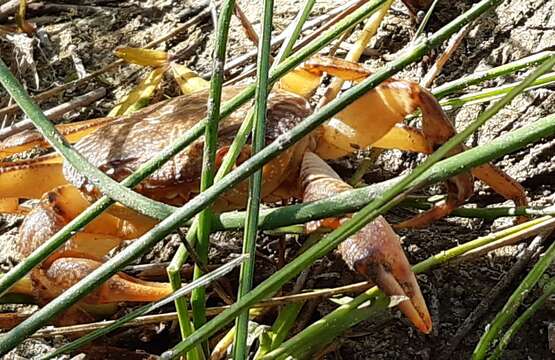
(121, 147)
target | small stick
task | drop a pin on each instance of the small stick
(211, 311)
(9, 8)
(453, 45)
(76, 10)
(214, 15)
(49, 93)
(56, 112)
(158, 270)
(339, 43)
(523, 258)
(218, 288)
(247, 25)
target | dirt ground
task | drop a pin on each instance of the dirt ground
(75, 37)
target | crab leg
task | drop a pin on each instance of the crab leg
(373, 120)
(403, 137)
(66, 272)
(375, 251)
(83, 252)
(28, 179)
(29, 139)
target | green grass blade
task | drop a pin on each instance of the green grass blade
(240, 350)
(481, 76)
(548, 290)
(507, 312)
(495, 93)
(174, 276)
(209, 155)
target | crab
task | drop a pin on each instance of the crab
(118, 146)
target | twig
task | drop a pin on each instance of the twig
(56, 112)
(76, 10)
(211, 311)
(523, 258)
(9, 8)
(247, 25)
(453, 45)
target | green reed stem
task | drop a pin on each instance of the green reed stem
(174, 276)
(294, 31)
(481, 76)
(425, 21)
(508, 311)
(240, 350)
(548, 290)
(495, 93)
(198, 297)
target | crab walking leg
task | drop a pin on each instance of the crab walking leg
(63, 273)
(83, 253)
(374, 120)
(28, 179)
(502, 183)
(375, 251)
(438, 129)
(29, 139)
(403, 137)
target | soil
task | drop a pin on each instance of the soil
(77, 36)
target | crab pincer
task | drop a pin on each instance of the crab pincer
(374, 251)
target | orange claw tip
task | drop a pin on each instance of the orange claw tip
(412, 303)
(376, 252)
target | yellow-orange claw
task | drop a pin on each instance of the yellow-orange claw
(375, 252)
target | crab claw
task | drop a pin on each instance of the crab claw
(375, 252)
